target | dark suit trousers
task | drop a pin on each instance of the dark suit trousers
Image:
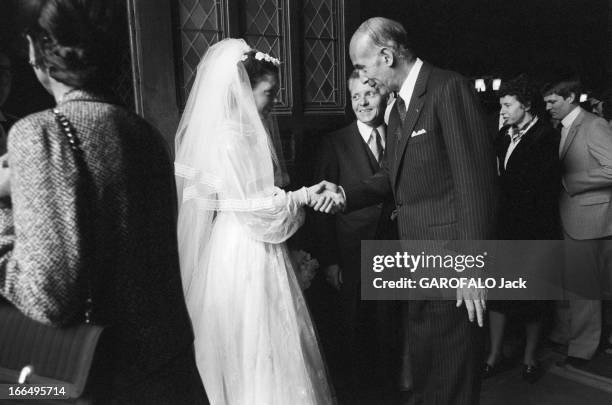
(451, 373)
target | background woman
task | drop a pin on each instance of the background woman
(529, 178)
(108, 223)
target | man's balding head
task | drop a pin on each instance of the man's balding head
(386, 33)
(379, 49)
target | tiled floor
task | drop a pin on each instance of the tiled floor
(558, 386)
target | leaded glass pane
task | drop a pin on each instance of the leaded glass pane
(266, 29)
(318, 18)
(263, 17)
(323, 54)
(200, 24)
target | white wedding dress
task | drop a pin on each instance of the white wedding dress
(255, 343)
(254, 340)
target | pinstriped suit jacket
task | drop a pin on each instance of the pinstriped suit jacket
(443, 180)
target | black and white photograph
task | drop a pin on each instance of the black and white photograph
(306, 202)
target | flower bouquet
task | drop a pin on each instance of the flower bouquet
(305, 267)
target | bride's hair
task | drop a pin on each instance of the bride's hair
(258, 69)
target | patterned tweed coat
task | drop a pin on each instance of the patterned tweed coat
(147, 352)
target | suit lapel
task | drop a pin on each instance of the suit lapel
(572, 133)
(412, 114)
(502, 149)
(360, 150)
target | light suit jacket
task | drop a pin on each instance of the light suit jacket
(586, 212)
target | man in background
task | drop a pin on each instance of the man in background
(585, 151)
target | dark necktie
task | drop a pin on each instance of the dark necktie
(563, 136)
(379, 147)
(401, 107)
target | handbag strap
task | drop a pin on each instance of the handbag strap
(86, 181)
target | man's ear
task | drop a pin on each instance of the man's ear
(387, 56)
(572, 98)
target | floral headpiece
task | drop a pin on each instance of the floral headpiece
(262, 56)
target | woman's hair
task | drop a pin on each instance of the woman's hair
(525, 91)
(75, 39)
(258, 69)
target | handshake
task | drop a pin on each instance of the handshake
(326, 197)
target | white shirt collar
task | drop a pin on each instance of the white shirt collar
(408, 86)
(569, 119)
(365, 131)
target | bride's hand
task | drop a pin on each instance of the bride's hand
(326, 197)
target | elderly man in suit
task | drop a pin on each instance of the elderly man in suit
(346, 156)
(440, 168)
(585, 151)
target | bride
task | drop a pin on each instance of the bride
(254, 340)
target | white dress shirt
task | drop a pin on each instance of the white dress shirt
(366, 131)
(407, 87)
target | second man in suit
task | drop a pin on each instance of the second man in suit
(347, 156)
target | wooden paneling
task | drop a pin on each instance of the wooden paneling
(153, 64)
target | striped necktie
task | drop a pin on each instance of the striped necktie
(564, 131)
(375, 145)
(401, 107)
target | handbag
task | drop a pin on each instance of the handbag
(54, 355)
